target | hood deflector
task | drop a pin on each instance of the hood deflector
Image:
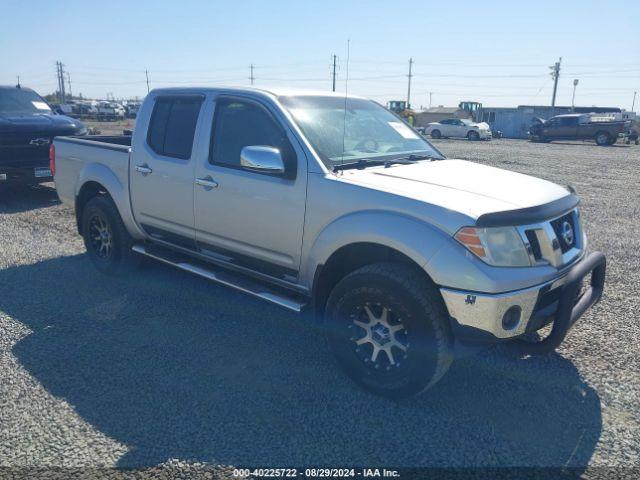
(526, 216)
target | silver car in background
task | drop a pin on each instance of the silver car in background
(333, 204)
(459, 128)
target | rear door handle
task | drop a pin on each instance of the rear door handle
(143, 169)
(207, 182)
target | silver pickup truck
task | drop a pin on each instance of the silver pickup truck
(312, 199)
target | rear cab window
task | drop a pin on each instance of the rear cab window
(173, 125)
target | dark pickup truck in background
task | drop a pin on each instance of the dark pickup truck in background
(27, 128)
(577, 126)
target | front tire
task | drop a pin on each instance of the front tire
(388, 329)
(473, 135)
(106, 238)
(436, 134)
(602, 139)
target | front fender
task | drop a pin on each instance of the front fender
(119, 192)
(410, 236)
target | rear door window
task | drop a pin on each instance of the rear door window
(569, 121)
(173, 125)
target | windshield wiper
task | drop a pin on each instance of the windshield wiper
(363, 163)
(413, 158)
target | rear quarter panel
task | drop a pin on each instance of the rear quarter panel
(81, 161)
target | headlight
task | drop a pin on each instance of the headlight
(498, 246)
(81, 129)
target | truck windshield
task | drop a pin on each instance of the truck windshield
(15, 101)
(361, 132)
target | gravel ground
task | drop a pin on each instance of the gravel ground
(165, 368)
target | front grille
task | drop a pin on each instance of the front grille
(17, 147)
(567, 236)
(556, 242)
(11, 139)
(534, 244)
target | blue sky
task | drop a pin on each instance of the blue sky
(496, 52)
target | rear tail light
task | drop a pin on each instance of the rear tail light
(52, 159)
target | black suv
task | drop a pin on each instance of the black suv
(27, 127)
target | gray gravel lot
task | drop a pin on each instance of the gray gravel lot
(165, 367)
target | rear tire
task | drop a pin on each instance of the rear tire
(106, 238)
(388, 329)
(436, 134)
(602, 139)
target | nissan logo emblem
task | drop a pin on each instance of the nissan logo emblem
(567, 233)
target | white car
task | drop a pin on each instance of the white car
(110, 111)
(459, 128)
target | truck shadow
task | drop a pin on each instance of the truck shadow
(22, 198)
(175, 367)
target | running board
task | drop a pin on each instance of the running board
(224, 277)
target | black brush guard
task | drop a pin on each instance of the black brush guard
(569, 310)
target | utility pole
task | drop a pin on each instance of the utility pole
(58, 77)
(333, 73)
(69, 83)
(18, 85)
(409, 84)
(573, 97)
(61, 93)
(146, 72)
(555, 74)
(251, 77)
(633, 104)
(430, 95)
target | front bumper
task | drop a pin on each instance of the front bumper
(25, 172)
(481, 317)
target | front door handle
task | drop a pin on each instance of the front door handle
(207, 182)
(143, 169)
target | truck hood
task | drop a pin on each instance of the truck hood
(48, 124)
(465, 187)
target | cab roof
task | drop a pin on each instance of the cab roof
(274, 91)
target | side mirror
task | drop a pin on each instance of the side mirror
(262, 159)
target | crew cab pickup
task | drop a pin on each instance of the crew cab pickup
(27, 127)
(577, 126)
(332, 203)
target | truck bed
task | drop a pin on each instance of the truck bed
(100, 141)
(81, 158)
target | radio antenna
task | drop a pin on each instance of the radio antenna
(346, 90)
